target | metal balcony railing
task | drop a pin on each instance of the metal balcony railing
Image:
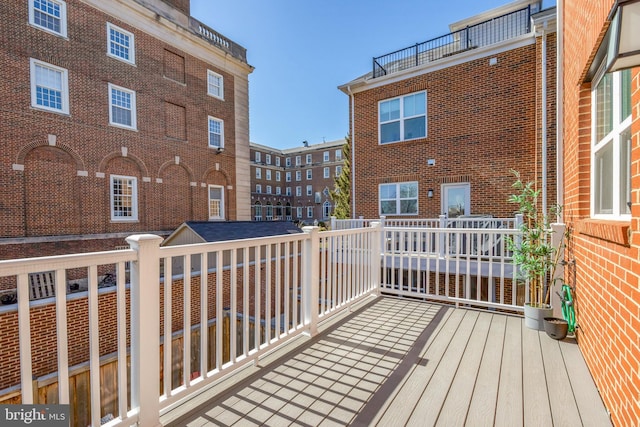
(485, 33)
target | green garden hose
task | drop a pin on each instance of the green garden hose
(568, 311)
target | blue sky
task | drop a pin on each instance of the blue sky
(302, 50)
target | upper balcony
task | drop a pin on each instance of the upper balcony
(382, 323)
(486, 33)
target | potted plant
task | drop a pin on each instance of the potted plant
(534, 256)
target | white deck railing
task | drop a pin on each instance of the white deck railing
(278, 286)
(441, 222)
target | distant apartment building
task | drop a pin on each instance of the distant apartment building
(294, 184)
(437, 127)
(118, 117)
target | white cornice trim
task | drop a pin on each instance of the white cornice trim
(171, 32)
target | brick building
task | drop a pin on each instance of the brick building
(119, 117)
(601, 138)
(437, 127)
(294, 184)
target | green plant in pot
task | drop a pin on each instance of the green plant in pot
(534, 255)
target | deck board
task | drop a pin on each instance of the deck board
(397, 362)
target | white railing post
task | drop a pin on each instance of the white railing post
(557, 239)
(311, 278)
(145, 332)
(376, 253)
(333, 223)
(383, 234)
(442, 219)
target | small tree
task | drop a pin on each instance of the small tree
(341, 194)
(533, 252)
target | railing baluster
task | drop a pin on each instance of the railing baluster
(94, 345)
(61, 332)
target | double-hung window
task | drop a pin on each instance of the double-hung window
(120, 44)
(327, 172)
(309, 174)
(49, 15)
(309, 190)
(338, 170)
(325, 156)
(611, 148)
(309, 159)
(288, 176)
(258, 173)
(403, 118)
(216, 202)
(287, 162)
(298, 191)
(338, 155)
(399, 198)
(124, 198)
(258, 188)
(277, 176)
(215, 84)
(267, 159)
(122, 107)
(258, 157)
(268, 189)
(268, 174)
(216, 133)
(298, 176)
(49, 87)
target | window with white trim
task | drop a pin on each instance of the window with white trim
(49, 87)
(326, 172)
(309, 190)
(268, 174)
(215, 84)
(278, 190)
(403, 118)
(288, 176)
(49, 15)
(326, 209)
(287, 162)
(309, 211)
(298, 191)
(268, 189)
(299, 212)
(309, 174)
(258, 173)
(277, 161)
(298, 160)
(124, 198)
(267, 159)
(122, 107)
(325, 156)
(611, 148)
(258, 157)
(120, 44)
(287, 191)
(277, 176)
(399, 198)
(309, 159)
(258, 188)
(298, 176)
(216, 202)
(338, 155)
(258, 212)
(338, 170)
(216, 133)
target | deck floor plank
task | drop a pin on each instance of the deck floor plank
(397, 362)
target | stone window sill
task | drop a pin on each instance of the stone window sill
(612, 231)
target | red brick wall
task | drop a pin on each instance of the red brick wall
(48, 197)
(606, 252)
(482, 121)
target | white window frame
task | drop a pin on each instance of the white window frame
(299, 212)
(298, 175)
(299, 191)
(309, 211)
(134, 123)
(215, 90)
(259, 188)
(326, 173)
(325, 156)
(133, 181)
(64, 90)
(268, 189)
(288, 176)
(309, 174)
(309, 159)
(278, 191)
(131, 49)
(287, 162)
(267, 159)
(277, 175)
(277, 161)
(338, 170)
(326, 209)
(268, 174)
(258, 173)
(258, 211)
(287, 191)
(209, 133)
(298, 160)
(63, 18)
(338, 154)
(258, 157)
(613, 140)
(402, 118)
(398, 199)
(309, 190)
(221, 202)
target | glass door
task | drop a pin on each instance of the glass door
(456, 200)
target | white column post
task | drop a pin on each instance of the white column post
(333, 223)
(557, 240)
(376, 253)
(442, 235)
(311, 278)
(145, 333)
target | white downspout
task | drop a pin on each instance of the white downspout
(560, 110)
(353, 154)
(544, 118)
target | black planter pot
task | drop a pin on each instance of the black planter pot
(556, 328)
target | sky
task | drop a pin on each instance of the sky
(302, 50)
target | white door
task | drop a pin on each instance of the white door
(456, 200)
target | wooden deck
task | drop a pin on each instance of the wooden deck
(397, 362)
